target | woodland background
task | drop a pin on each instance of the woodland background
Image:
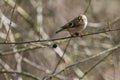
(31, 20)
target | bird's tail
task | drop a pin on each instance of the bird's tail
(59, 30)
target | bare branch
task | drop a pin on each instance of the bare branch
(47, 40)
(90, 1)
(10, 21)
(21, 73)
(90, 58)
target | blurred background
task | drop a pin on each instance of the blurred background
(29, 20)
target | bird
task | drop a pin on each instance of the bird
(75, 26)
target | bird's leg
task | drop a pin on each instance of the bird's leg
(76, 34)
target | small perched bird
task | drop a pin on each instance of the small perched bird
(75, 26)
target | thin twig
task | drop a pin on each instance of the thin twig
(11, 21)
(18, 51)
(90, 58)
(47, 40)
(62, 55)
(21, 73)
(87, 7)
(96, 64)
(24, 14)
(49, 77)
